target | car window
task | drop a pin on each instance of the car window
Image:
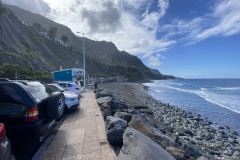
(38, 90)
(69, 85)
(57, 86)
(62, 84)
(54, 89)
(9, 95)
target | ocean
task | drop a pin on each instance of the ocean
(218, 100)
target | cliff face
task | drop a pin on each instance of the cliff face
(20, 43)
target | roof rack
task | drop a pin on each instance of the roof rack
(4, 80)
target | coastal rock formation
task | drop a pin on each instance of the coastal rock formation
(176, 153)
(106, 112)
(118, 106)
(104, 100)
(115, 128)
(193, 134)
(103, 93)
(184, 135)
(202, 158)
(137, 146)
(138, 124)
(123, 115)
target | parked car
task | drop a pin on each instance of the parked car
(5, 146)
(71, 98)
(71, 86)
(29, 108)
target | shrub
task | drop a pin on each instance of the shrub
(3, 10)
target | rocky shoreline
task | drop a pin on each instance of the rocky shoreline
(183, 135)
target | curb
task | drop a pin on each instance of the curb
(42, 149)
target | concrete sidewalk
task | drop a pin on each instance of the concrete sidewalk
(82, 135)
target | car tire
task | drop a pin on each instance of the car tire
(55, 106)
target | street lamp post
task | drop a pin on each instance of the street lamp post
(84, 73)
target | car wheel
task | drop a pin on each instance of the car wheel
(55, 106)
(61, 107)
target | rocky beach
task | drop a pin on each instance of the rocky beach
(135, 119)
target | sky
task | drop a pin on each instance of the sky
(184, 38)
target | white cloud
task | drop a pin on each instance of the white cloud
(150, 20)
(160, 56)
(119, 21)
(153, 61)
(224, 20)
(163, 6)
(227, 14)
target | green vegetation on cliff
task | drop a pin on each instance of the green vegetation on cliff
(22, 44)
(9, 71)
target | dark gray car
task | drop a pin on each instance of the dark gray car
(5, 146)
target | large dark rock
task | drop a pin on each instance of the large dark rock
(202, 158)
(123, 115)
(103, 94)
(115, 128)
(137, 146)
(191, 151)
(167, 129)
(147, 111)
(104, 100)
(132, 111)
(176, 153)
(185, 132)
(117, 106)
(107, 112)
(139, 125)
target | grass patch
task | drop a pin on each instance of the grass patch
(33, 54)
(6, 53)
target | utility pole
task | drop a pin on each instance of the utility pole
(84, 72)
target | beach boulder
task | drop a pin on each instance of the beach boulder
(115, 128)
(138, 124)
(103, 93)
(123, 115)
(137, 146)
(107, 112)
(118, 106)
(191, 151)
(202, 158)
(176, 153)
(132, 111)
(104, 100)
(152, 133)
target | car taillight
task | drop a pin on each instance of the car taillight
(2, 131)
(32, 114)
(77, 88)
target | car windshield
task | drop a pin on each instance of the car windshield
(38, 90)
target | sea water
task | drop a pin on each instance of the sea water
(218, 100)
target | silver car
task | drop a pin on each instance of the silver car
(71, 98)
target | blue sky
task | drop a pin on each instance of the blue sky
(185, 38)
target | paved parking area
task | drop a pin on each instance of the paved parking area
(82, 135)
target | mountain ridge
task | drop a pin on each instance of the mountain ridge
(102, 58)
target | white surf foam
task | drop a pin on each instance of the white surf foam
(226, 101)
